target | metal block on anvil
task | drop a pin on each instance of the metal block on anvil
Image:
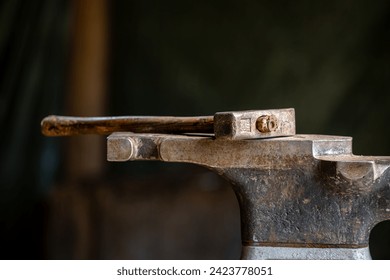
(254, 124)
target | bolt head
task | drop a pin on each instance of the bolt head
(267, 123)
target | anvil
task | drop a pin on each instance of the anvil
(300, 196)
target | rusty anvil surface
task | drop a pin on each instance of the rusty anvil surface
(300, 197)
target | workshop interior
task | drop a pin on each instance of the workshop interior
(61, 198)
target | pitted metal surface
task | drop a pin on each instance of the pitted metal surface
(300, 191)
(290, 253)
(255, 124)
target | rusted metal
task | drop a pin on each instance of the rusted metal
(227, 125)
(304, 191)
(267, 123)
(68, 126)
(302, 196)
(254, 124)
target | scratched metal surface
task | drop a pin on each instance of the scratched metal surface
(299, 191)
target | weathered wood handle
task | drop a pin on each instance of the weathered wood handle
(68, 126)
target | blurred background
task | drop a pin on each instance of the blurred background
(59, 197)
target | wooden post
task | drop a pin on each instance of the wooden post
(85, 155)
(88, 81)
